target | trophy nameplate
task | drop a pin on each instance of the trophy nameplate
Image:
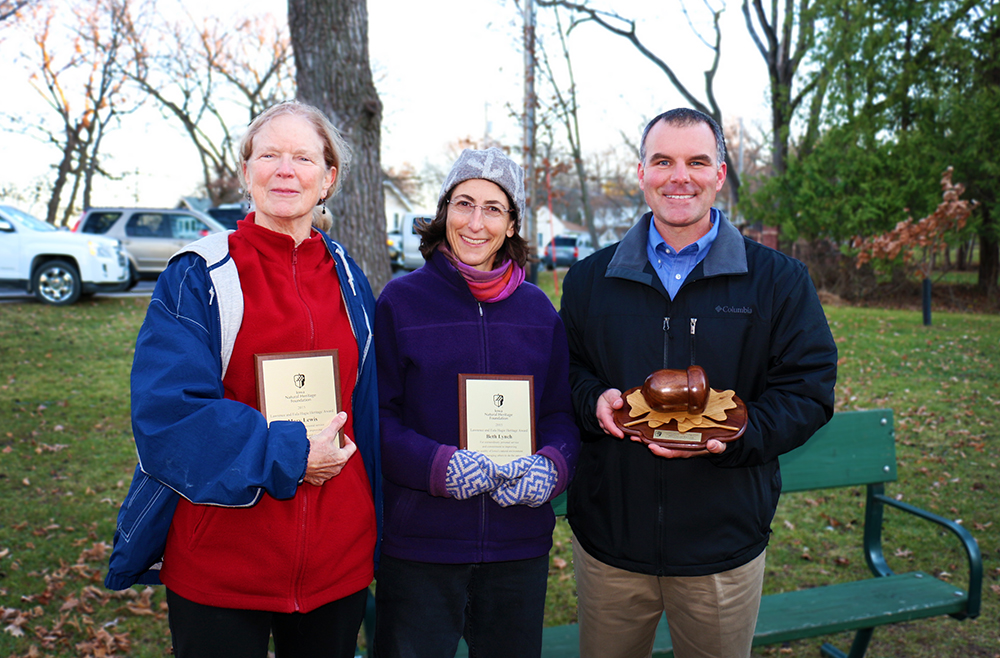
(496, 415)
(299, 386)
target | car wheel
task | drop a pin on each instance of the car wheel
(56, 282)
(133, 276)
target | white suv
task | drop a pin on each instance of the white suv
(57, 266)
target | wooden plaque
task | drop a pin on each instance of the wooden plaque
(496, 415)
(299, 386)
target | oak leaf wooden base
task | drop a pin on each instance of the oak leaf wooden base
(681, 431)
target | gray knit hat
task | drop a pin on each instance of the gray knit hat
(492, 165)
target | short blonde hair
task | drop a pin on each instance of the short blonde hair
(336, 152)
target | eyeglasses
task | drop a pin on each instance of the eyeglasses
(463, 207)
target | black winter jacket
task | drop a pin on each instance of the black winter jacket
(751, 318)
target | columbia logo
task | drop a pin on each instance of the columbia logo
(746, 310)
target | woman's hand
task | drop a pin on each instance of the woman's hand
(326, 457)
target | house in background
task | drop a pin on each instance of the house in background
(550, 225)
(611, 226)
(397, 204)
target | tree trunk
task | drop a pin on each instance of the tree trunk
(332, 71)
(989, 254)
(62, 175)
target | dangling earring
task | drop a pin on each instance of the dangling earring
(322, 202)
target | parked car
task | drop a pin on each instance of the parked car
(407, 241)
(57, 266)
(228, 214)
(394, 243)
(568, 249)
(150, 235)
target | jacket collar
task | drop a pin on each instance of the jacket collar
(727, 256)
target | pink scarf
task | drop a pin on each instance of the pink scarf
(492, 286)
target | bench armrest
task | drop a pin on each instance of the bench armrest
(876, 557)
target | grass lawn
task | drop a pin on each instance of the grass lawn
(66, 456)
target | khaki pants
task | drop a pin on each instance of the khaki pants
(710, 616)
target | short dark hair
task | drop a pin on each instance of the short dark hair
(434, 232)
(681, 117)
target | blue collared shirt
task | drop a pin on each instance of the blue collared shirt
(674, 267)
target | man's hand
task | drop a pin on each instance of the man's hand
(326, 457)
(607, 403)
(712, 446)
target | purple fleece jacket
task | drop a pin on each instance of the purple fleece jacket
(428, 329)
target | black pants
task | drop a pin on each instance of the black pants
(204, 631)
(422, 609)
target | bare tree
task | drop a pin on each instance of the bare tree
(625, 28)
(784, 34)
(205, 76)
(567, 111)
(9, 8)
(76, 73)
(330, 40)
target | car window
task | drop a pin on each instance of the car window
(99, 222)
(420, 221)
(19, 217)
(148, 225)
(227, 216)
(186, 227)
(565, 241)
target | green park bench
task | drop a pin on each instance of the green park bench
(855, 448)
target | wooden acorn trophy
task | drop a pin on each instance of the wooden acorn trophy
(677, 409)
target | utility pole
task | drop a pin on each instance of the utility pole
(528, 150)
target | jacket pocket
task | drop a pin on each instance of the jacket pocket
(191, 523)
(146, 498)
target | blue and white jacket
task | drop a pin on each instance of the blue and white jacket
(198, 298)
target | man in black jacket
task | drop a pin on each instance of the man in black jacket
(684, 532)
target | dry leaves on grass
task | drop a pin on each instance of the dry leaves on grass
(72, 610)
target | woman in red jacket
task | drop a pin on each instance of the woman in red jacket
(297, 561)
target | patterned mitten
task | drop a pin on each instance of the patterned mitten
(513, 470)
(532, 487)
(469, 474)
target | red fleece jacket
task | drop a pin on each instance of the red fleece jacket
(280, 555)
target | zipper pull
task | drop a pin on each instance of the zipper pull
(694, 321)
(666, 324)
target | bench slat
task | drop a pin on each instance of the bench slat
(860, 604)
(843, 607)
(854, 448)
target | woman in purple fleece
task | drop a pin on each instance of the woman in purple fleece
(465, 541)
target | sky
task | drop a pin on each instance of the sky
(459, 74)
